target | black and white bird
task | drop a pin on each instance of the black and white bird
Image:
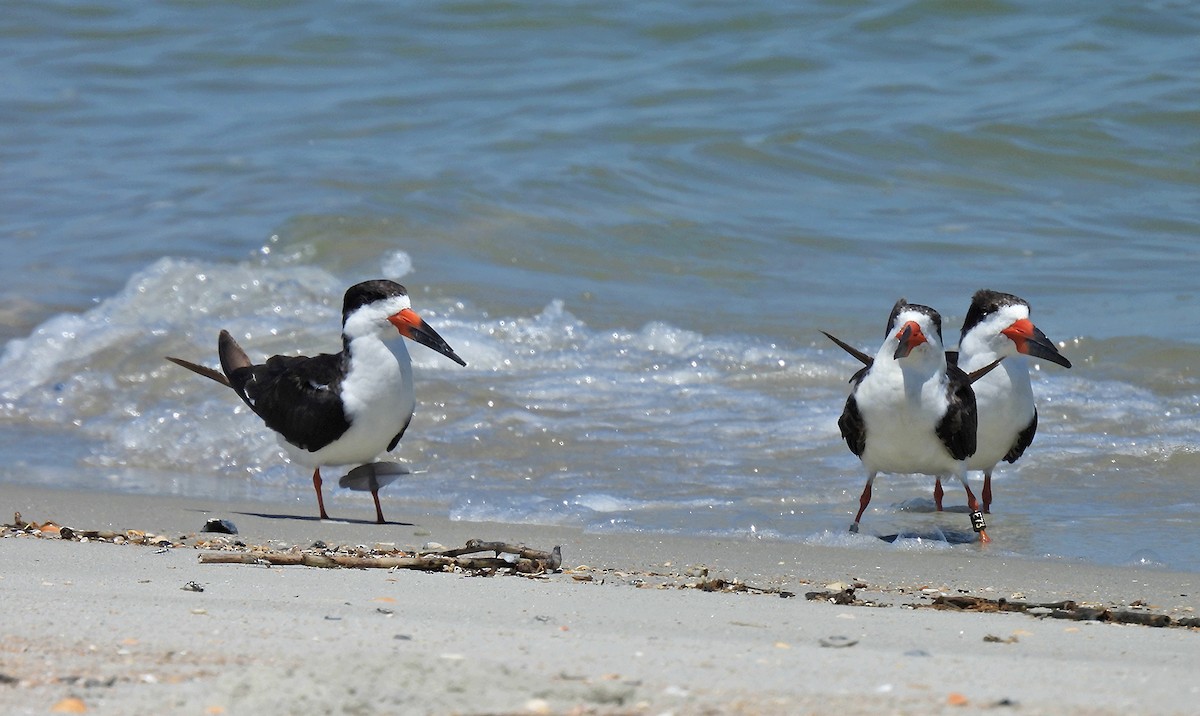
(909, 411)
(996, 326)
(340, 408)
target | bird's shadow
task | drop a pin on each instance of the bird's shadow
(934, 534)
(312, 518)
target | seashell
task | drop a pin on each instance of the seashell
(70, 705)
(220, 526)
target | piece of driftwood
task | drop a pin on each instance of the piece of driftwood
(981, 604)
(525, 561)
(844, 597)
(1067, 609)
(476, 545)
(716, 584)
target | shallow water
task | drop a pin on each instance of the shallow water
(631, 221)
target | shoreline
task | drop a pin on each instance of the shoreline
(625, 627)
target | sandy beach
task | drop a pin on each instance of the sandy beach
(631, 624)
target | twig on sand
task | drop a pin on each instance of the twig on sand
(523, 560)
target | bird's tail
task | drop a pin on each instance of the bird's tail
(232, 356)
(202, 370)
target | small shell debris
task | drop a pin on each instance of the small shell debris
(219, 526)
(72, 705)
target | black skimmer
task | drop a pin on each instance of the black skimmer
(909, 411)
(997, 326)
(340, 408)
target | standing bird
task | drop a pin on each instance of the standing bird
(341, 408)
(909, 411)
(997, 325)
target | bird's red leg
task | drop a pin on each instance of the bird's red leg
(317, 487)
(378, 511)
(938, 493)
(863, 501)
(987, 492)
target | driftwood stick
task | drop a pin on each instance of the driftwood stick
(529, 560)
(433, 562)
(281, 558)
(475, 545)
(321, 560)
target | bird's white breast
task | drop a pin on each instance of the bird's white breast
(901, 414)
(1004, 398)
(377, 397)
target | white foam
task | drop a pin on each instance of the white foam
(396, 265)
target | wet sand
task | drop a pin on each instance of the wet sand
(632, 624)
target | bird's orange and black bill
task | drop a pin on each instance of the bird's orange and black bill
(910, 336)
(1030, 340)
(414, 327)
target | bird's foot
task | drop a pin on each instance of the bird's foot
(854, 528)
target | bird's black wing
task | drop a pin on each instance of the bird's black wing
(297, 397)
(1024, 438)
(957, 427)
(396, 440)
(854, 429)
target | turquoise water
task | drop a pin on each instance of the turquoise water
(631, 220)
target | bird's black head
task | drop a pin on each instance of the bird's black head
(903, 305)
(368, 292)
(984, 303)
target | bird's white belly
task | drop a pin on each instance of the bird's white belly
(378, 402)
(901, 430)
(1005, 409)
(907, 449)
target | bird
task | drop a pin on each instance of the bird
(337, 408)
(997, 325)
(910, 411)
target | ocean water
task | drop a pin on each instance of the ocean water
(632, 220)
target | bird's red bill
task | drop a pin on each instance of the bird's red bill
(910, 336)
(406, 321)
(1019, 332)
